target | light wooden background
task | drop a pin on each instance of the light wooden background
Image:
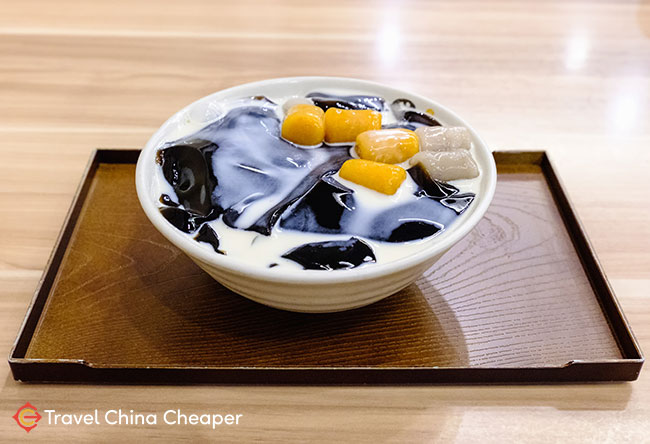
(570, 77)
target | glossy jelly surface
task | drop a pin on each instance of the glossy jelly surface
(237, 187)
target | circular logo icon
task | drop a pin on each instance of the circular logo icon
(27, 417)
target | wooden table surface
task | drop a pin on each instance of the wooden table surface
(569, 77)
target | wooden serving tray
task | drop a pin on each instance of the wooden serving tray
(521, 299)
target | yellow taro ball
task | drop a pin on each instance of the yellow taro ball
(380, 177)
(304, 125)
(387, 145)
(344, 125)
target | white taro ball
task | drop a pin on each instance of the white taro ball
(447, 165)
(440, 138)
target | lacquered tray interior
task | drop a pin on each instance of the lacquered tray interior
(513, 294)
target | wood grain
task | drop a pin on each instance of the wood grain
(571, 77)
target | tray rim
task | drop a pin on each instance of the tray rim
(626, 368)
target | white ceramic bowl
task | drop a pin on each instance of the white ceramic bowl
(311, 290)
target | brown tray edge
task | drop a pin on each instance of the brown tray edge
(626, 369)
(574, 372)
(610, 305)
(35, 308)
(600, 284)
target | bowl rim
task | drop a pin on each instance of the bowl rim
(240, 267)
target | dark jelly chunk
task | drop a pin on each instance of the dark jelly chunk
(332, 255)
(321, 208)
(413, 230)
(253, 163)
(402, 103)
(186, 167)
(458, 202)
(265, 223)
(179, 218)
(166, 200)
(208, 235)
(414, 116)
(326, 101)
(430, 187)
(405, 113)
(328, 199)
(185, 220)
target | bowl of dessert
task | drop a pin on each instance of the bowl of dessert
(315, 194)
